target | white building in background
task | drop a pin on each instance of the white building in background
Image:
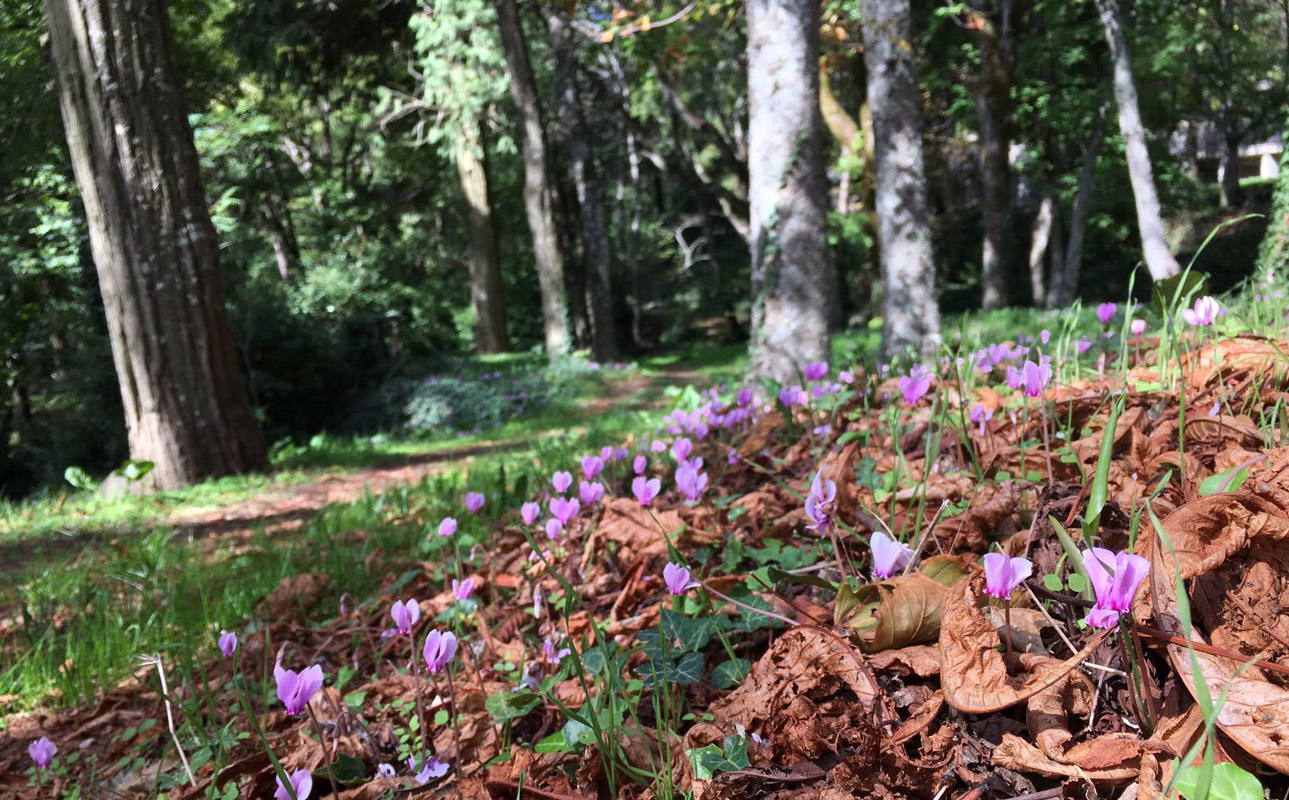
(1257, 159)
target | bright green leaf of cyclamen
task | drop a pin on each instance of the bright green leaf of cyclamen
(507, 706)
(1229, 783)
(1226, 481)
(555, 743)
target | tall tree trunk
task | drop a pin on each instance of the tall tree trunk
(1065, 283)
(538, 200)
(1159, 261)
(1228, 118)
(186, 404)
(911, 316)
(485, 266)
(1038, 243)
(792, 274)
(992, 92)
(590, 192)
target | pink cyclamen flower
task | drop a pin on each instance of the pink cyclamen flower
(295, 689)
(1003, 574)
(301, 786)
(564, 510)
(42, 752)
(658, 446)
(591, 493)
(552, 655)
(1115, 578)
(474, 502)
(561, 481)
(405, 615)
(1204, 312)
(690, 481)
(639, 464)
(732, 457)
(1015, 378)
(682, 448)
(981, 414)
(888, 555)
(793, 396)
(846, 376)
(1137, 326)
(227, 643)
(1105, 312)
(1083, 345)
(1044, 336)
(553, 528)
(462, 590)
(915, 385)
(439, 648)
(1037, 376)
(676, 576)
(447, 526)
(645, 490)
(743, 398)
(819, 503)
(529, 512)
(607, 454)
(432, 769)
(592, 466)
(816, 370)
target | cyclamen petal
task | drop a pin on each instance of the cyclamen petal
(676, 577)
(816, 370)
(301, 783)
(474, 502)
(561, 481)
(888, 555)
(462, 590)
(447, 527)
(529, 512)
(1115, 579)
(440, 647)
(295, 689)
(591, 493)
(682, 448)
(639, 464)
(592, 466)
(227, 643)
(1105, 312)
(405, 615)
(42, 752)
(646, 490)
(1003, 574)
(553, 528)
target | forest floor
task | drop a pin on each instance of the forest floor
(868, 662)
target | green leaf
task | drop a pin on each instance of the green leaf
(1078, 583)
(555, 743)
(511, 705)
(684, 671)
(577, 733)
(134, 469)
(79, 479)
(729, 674)
(1053, 583)
(348, 769)
(355, 700)
(1229, 782)
(712, 760)
(693, 632)
(1226, 481)
(779, 576)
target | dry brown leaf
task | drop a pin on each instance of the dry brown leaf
(972, 671)
(295, 597)
(630, 525)
(898, 612)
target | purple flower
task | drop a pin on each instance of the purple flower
(888, 555)
(744, 398)
(1044, 336)
(607, 454)
(1204, 312)
(561, 481)
(1138, 327)
(42, 752)
(551, 655)
(447, 526)
(620, 454)
(1015, 378)
(474, 502)
(816, 370)
(682, 448)
(1003, 574)
(639, 464)
(646, 490)
(1115, 578)
(591, 493)
(846, 376)
(915, 385)
(301, 784)
(385, 770)
(732, 457)
(676, 576)
(439, 648)
(432, 769)
(553, 528)
(793, 396)
(295, 689)
(227, 643)
(462, 590)
(529, 512)
(1215, 409)
(980, 414)
(1083, 345)
(690, 481)
(1105, 312)
(405, 615)
(592, 466)
(658, 446)
(1037, 376)
(819, 503)
(564, 510)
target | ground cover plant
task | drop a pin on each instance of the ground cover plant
(1040, 566)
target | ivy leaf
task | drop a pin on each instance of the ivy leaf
(693, 632)
(729, 674)
(507, 706)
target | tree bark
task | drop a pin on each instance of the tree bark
(1042, 235)
(485, 265)
(538, 201)
(792, 275)
(590, 191)
(911, 316)
(1150, 224)
(179, 369)
(992, 91)
(1065, 282)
